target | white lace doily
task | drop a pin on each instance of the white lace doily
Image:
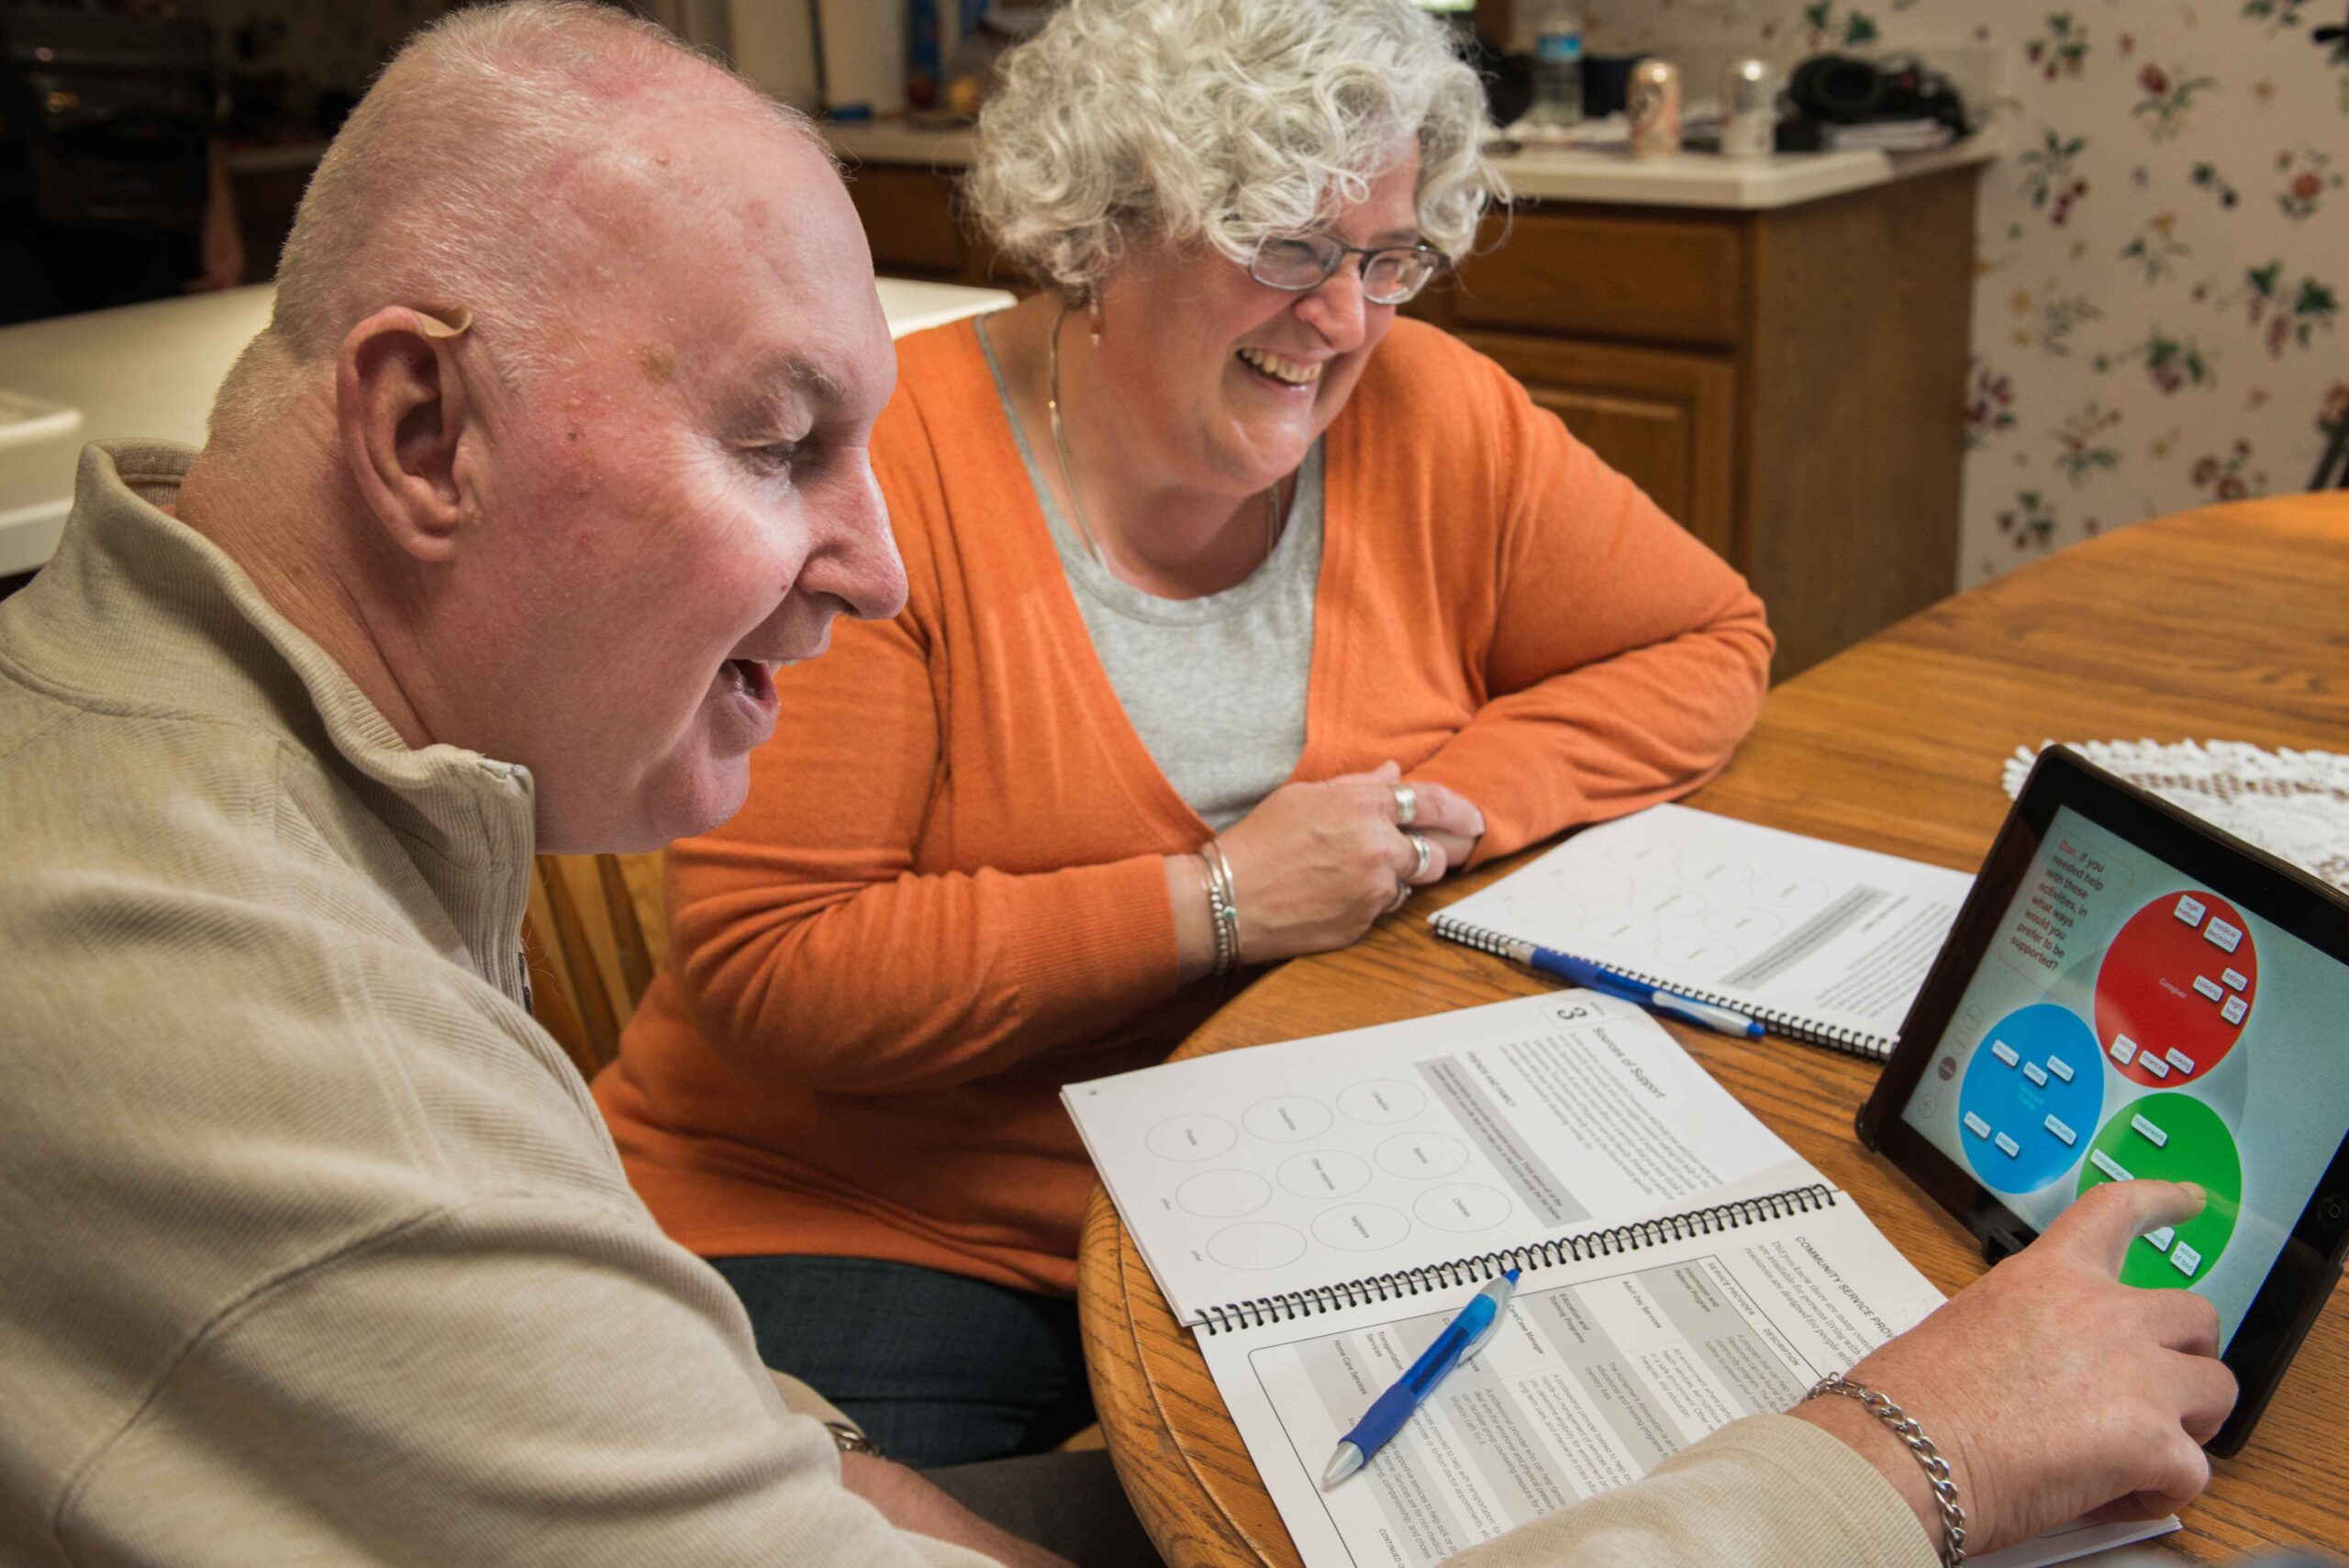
(2291, 803)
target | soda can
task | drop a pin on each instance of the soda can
(1653, 105)
(1749, 109)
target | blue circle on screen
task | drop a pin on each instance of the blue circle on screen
(2033, 1097)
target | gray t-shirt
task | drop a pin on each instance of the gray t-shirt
(1214, 687)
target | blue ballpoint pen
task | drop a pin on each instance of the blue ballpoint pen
(1462, 1338)
(1599, 977)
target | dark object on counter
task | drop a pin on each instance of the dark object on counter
(1508, 78)
(1838, 89)
(1797, 133)
(1605, 83)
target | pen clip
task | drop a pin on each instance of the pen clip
(1500, 1316)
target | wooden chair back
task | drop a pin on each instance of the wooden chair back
(609, 931)
(595, 931)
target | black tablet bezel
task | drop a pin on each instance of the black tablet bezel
(2302, 1277)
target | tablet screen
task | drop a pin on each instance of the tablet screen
(2126, 1021)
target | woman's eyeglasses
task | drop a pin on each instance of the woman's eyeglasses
(1390, 274)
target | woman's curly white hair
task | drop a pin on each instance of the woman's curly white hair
(1221, 122)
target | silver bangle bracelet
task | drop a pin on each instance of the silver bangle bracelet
(1223, 906)
(1213, 886)
(1928, 1458)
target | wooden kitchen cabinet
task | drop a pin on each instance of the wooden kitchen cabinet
(1787, 382)
(915, 228)
(1666, 419)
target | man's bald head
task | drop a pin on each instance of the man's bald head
(557, 441)
(482, 173)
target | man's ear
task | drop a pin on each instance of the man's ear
(401, 404)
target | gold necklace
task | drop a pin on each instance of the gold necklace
(1068, 474)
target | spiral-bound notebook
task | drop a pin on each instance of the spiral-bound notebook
(1322, 1168)
(1820, 942)
(1317, 1210)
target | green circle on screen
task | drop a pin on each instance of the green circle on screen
(2172, 1137)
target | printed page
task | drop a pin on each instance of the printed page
(1605, 1369)
(1308, 1164)
(1775, 922)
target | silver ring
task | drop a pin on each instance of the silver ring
(1407, 805)
(1402, 896)
(1421, 848)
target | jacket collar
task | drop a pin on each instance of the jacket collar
(139, 614)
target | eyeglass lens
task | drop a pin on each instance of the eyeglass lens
(1388, 277)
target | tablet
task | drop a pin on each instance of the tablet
(2130, 992)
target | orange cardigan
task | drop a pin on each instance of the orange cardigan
(944, 899)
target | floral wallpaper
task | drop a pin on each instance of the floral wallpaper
(2162, 251)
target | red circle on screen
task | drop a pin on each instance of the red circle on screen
(2154, 1002)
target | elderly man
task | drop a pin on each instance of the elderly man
(312, 1246)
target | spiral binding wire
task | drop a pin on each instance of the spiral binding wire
(1851, 1042)
(1290, 1306)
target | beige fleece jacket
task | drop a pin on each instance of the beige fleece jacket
(313, 1247)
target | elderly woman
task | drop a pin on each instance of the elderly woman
(1238, 607)
(1231, 592)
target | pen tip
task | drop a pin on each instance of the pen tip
(1510, 1274)
(1342, 1463)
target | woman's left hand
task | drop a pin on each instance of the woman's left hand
(1315, 863)
(1447, 819)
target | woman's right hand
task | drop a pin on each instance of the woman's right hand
(1315, 863)
(2051, 1389)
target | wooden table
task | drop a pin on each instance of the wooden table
(2230, 623)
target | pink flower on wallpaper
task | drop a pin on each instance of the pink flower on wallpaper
(2030, 521)
(2167, 97)
(2310, 175)
(1855, 30)
(1989, 405)
(2170, 363)
(2047, 174)
(2287, 314)
(2228, 478)
(2062, 50)
(2157, 247)
(2081, 449)
(2334, 412)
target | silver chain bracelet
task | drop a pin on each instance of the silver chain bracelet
(1936, 1468)
(852, 1439)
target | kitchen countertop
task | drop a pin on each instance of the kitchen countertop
(150, 370)
(1703, 180)
(1681, 180)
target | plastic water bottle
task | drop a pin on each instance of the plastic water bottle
(1558, 69)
